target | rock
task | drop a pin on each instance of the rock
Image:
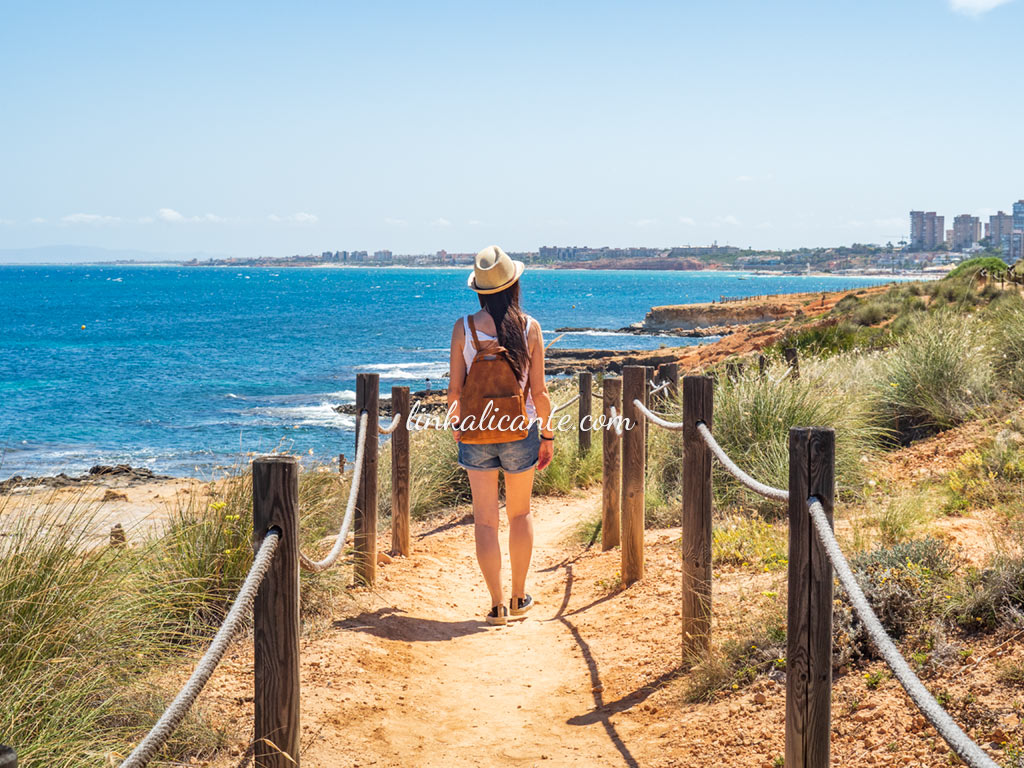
(760, 698)
(383, 558)
(117, 537)
(111, 495)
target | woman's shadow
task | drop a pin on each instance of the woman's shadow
(390, 623)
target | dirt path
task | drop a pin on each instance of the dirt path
(415, 677)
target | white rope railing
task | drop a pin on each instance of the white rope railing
(396, 420)
(616, 421)
(958, 741)
(177, 709)
(757, 487)
(654, 418)
(656, 389)
(564, 405)
(316, 566)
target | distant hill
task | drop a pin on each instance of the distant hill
(84, 254)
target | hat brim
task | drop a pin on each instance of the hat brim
(520, 266)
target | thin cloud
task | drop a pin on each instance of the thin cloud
(396, 223)
(644, 223)
(6, 222)
(37, 220)
(300, 218)
(91, 219)
(172, 216)
(440, 222)
(687, 221)
(975, 7)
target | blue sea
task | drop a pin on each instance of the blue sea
(187, 369)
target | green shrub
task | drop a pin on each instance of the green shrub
(900, 582)
(987, 598)
(937, 376)
(991, 265)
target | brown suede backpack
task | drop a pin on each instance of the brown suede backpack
(491, 397)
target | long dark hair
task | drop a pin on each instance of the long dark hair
(510, 322)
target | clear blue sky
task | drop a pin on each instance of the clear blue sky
(255, 128)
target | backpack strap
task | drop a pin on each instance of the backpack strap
(472, 330)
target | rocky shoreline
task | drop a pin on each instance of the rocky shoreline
(120, 475)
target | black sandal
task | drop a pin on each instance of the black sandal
(498, 615)
(518, 606)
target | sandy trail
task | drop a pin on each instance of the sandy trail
(417, 678)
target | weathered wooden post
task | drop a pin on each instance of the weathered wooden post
(733, 369)
(698, 405)
(634, 446)
(367, 395)
(670, 373)
(809, 617)
(611, 465)
(792, 361)
(275, 505)
(583, 425)
(341, 463)
(8, 757)
(400, 525)
(762, 365)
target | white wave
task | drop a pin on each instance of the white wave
(322, 415)
(615, 333)
(432, 370)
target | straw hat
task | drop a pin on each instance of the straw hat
(494, 271)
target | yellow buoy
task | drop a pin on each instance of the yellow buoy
(83, 327)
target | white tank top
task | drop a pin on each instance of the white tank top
(469, 352)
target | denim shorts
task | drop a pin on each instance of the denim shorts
(514, 456)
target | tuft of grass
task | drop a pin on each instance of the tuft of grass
(936, 377)
(1007, 323)
(753, 416)
(80, 636)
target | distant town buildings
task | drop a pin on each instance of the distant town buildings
(1000, 231)
(927, 230)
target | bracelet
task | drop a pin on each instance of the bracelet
(547, 438)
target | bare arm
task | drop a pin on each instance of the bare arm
(456, 370)
(538, 384)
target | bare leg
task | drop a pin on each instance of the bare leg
(518, 490)
(484, 483)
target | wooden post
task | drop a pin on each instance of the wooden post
(733, 369)
(341, 463)
(611, 466)
(400, 525)
(762, 365)
(367, 395)
(583, 426)
(670, 373)
(792, 361)
(634, 387)
(275, 504)
(809, 618)
(698, 404)
(8, 757)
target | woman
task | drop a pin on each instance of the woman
(495, 279)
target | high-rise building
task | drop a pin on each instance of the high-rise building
(1015, 247)
(999, 226)
(926, 230)
(966, 231)
(1018, 216)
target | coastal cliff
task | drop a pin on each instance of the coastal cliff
(690, 316)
